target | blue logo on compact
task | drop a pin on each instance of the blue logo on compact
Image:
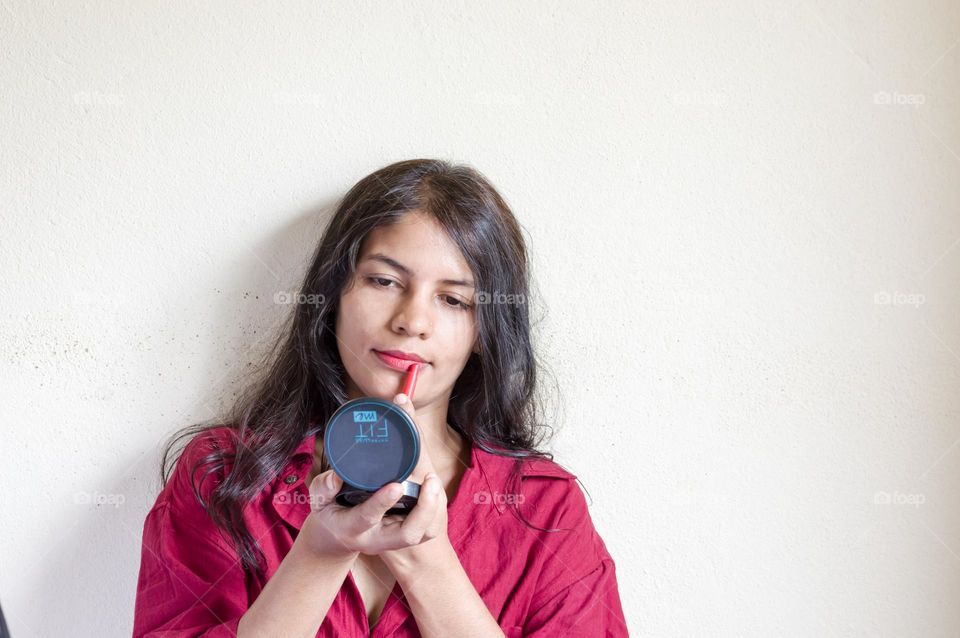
(369, 431)
(364, 416)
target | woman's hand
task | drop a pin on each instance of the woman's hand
(433, 500)
(334, 531)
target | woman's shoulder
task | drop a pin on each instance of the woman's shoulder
(557, 560)
(551, 514)
(542, 467)
(201, 465)
(178, 523)
(502, 461)
(545, 491)
(220, 437)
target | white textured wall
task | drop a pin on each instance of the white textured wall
(718, 195)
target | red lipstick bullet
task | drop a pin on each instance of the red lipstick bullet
(411, 383)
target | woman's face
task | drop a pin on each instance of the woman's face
(405, 297)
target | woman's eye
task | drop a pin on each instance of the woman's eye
(457, 303)
(452, 302)
(382, 282)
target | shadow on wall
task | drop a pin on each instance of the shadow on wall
(102, 525)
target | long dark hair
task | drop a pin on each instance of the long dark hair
(496, 403)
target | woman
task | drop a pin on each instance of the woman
(422, 261)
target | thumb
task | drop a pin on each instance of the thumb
(323, 490)
(424, 463)
(403, 402)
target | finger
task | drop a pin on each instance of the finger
(423, 467)
(420, 519)
(424, 463)
(323, 489)
(370, 512)
(405, 404)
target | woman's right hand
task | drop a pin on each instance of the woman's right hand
(334, 531)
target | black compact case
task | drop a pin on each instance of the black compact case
(369, 443)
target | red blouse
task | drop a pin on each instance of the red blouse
(534, 583)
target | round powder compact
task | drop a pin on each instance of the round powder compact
(369, 443)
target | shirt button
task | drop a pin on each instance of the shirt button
(290, 480)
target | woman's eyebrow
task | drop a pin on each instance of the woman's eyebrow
(396, 264)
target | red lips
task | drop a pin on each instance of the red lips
(400, 354)
(399, 360)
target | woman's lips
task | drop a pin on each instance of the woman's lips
(395, 362)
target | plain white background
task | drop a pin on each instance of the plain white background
(744, 222)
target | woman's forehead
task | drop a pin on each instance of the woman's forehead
(419, 247)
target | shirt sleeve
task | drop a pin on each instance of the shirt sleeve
(191, 582)
(589, 607)
(577, 593)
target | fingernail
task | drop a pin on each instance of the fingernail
(401, 398)
(434, 483)
(329, 482)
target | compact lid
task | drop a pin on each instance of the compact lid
(370, 442)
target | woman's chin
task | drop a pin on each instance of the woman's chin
(378, 389)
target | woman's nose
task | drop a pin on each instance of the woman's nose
(414, 316)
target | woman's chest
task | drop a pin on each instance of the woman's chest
(375, 582)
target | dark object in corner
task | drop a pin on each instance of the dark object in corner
(4, 632)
